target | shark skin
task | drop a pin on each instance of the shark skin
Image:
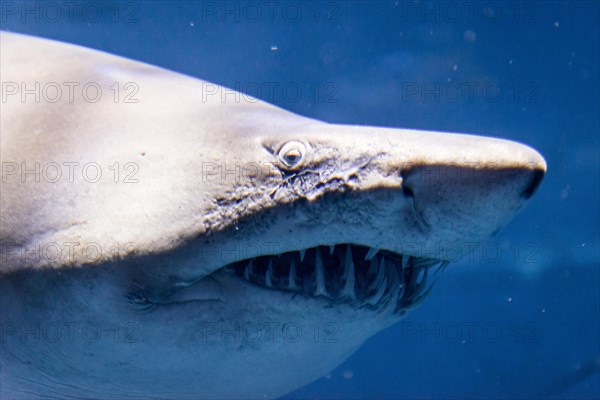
(163, 240)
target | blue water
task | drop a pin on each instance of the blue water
(522, 317)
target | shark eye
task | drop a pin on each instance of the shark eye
(292, 154)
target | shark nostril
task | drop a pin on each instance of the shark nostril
(410, 195)
(407, 191)
(536, 179)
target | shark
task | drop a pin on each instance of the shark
(163, 237)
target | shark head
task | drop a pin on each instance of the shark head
(253, 249)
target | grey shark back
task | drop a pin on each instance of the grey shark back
(162, 240)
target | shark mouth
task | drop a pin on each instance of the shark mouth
(357, 275)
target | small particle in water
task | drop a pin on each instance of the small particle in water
(489, 13)
(571, 60)
(192, 24)
(455, 67)
(510, 61)
(348, 374)
(510, 299)
(327, 376)
(564, 192)
(556, 24)
(469, 36)
(274, 48)
(543, 310)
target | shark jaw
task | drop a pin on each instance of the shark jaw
(354, 275)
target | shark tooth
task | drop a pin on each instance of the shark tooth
(392, 272)
(302, 253)
(248, 271)
(421, 281)
(374, 299)
(441, 267)
(292, 276)
(393, 283)
(397, 284)
(331, 248)
(349, 279)
(422, 274)
(372, 267)
(320, 276)
(401, 287)
(269, 277)
(371, 253)
(395, 289)
(405, 260)
(380, 275)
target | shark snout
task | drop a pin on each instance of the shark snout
(464, 200)
(536, 179)
(454, 187)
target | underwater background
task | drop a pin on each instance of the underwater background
(520, 316)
